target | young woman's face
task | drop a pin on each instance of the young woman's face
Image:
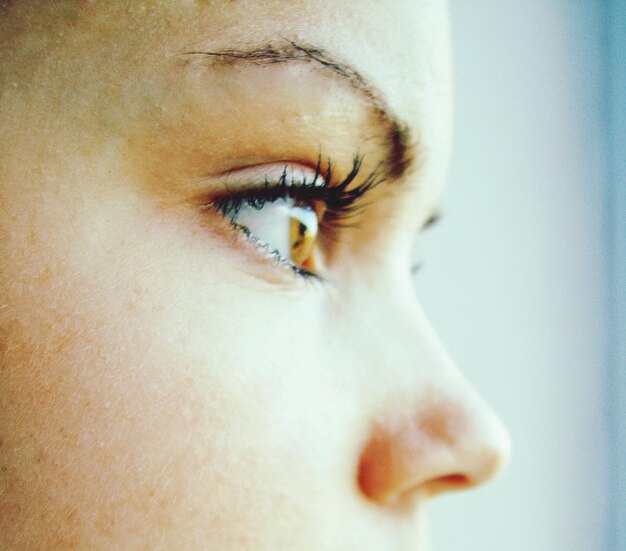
(209, 339)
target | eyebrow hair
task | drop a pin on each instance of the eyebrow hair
(400, 158)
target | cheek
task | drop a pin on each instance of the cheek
(142, 393)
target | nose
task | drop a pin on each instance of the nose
(431, 433)
(448, 442)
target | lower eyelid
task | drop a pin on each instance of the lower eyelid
(267, 264)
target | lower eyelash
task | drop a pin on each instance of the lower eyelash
(273, 254)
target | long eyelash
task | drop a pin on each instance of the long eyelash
(341, 203)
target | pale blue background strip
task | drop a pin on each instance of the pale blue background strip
(617, 215)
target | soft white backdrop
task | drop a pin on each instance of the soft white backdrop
(516, 277)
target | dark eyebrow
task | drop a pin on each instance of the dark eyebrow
(398, 140)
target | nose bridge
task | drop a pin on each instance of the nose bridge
(429, 429)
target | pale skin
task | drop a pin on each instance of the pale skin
(164, 383)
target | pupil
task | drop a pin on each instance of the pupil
(303, 232)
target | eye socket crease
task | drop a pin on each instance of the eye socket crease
(403, 153)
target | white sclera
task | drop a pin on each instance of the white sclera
(271, 224)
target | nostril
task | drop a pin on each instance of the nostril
(449, 483)
(454, 480)
(382, 478)
(387, 471)
(393, 465)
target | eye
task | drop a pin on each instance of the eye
(286, 227)
(291, 215)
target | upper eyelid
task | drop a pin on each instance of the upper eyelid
(294, 172)
(317, 184)
(247, 181)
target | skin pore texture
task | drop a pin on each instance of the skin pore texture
(165, 383)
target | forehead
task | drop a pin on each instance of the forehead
(114, 68)
(401, 45)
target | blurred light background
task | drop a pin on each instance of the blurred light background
(526, 278)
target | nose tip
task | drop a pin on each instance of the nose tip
(443, 446)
